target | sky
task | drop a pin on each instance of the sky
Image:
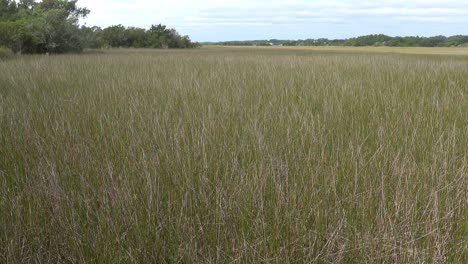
(222, 20)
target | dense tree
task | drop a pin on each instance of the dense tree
(47, 26)
(91, 37)
(12, 34)
(114, 36)
(369, 40)
(8, 10)
(157, 36)
(27, 26)
(136, 37)
(16, 36)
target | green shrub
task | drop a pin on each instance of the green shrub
(5, 53)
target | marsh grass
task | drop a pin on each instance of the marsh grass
(219, 155)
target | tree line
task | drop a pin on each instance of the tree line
(52, 26)
(157, 36)
(368, 40)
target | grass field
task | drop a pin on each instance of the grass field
(349, 49)
(243, 155)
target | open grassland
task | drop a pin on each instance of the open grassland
(241, 155)
(348, 49)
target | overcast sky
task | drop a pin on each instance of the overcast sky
(221, 20)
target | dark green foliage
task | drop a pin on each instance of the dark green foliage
(55, 32)
(114, 36)
(8, 10)
(40, 27)
(157, 36)
(91, 37)
(136, 37)
(369, 40)
(51, 26)
(14, 34)
(5, 53)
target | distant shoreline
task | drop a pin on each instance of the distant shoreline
(463, 51)
(378, 40)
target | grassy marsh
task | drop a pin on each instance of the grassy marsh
(219, 155)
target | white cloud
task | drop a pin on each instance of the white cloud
(194, 16)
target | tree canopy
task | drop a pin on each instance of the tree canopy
(119, 36)
(52, 26)
(39, 27)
